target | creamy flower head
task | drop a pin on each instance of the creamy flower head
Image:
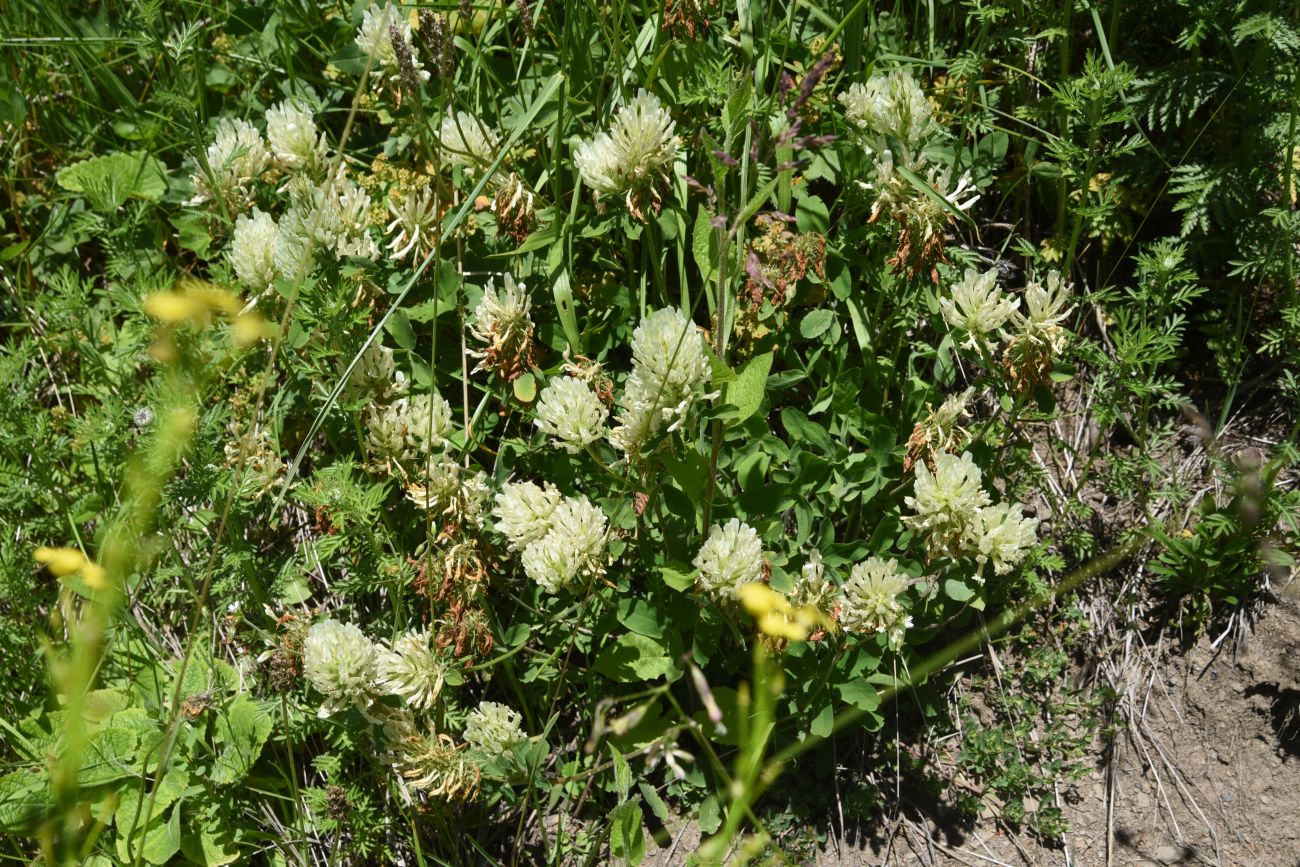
(291, 130)
(341, 663)
(504, 325)
(236, 158)
(670, 364)
(1047, 309)
(978, 308)
(891, 105)
(376, 375)
(574, 544)
(634, 156)
(331, 217)
(408, 428)
(571, 413)
(450, 491)
(1005, 536)
(375, 39)
(494, 728)
(523, 511)
(252, 251)
(550, 562)
(466, 141)
(947, 502)
(414, 226)
(869, 600)
(732, 556)
(412, 669)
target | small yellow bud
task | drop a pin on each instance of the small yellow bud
(61, 561)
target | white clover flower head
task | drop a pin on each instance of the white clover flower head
(813, 586)
(891, 105)
(670, 364)
(732, 556)
(376, 375)
(573, 545)
(978, 308)
(451, 491)
(571, 413)
(1006, 536)
(332, 217)
(523, 511)
(869, 600)
(634, 157)
(947, 502)
(236, 158)
(954, 408)
(412, 669)
(414, 225)
(1047, 309)
(503, 324)
(466, 141)
(550, 562)
(295, 142)
(408, 429)
(494, 728)
(252, 251)
(375, 40)
(341, 663)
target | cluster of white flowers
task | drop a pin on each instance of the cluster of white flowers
(466, 141)
(236, 158)
(376, 375)
(412, 669)
(670, 366)
(813, 587)
(493, 728)
(332, 217)
(375, 39)
(252, 250)
(503, 324)
(1046, 311)
(415, 224)
(570, 412)
(291, 130)
(408, 430)
(978, 308)
(731, 557)
(634, 156)
(869, 600)
(560, 538)
(342, 663)
(890, 105)
(960, 519)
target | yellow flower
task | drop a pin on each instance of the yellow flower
(67, 561)
(775, 615)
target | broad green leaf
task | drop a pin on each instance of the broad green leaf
(859, 694)
(525, 388)
(816, 323)
(710, 817)
(633, 658)
(678, 579)
(22, 795)
(130, 174)
(957, 590)
(812, 215)
(652, 799)
(745, 392)
(622, 773)
(241, 731)
(641, 617)
(626, 834)
(109, 756)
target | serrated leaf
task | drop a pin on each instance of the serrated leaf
(240, 734)
(131, 174)
(109, 756)
(626, 834)
(652, 799)
(632, 658)
(622, 773)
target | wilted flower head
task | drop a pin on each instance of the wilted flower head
(503, 324)
(236, 158)
(634, 157)
(870, 603)
(670, 364)
(494, 728)
(414, 225)
(252, 251)
(434, 764)
(891, 105)
(923, 220)
(466, 141)
(291, 129)
(408, 429)
(947, 502)
(978, 308)
(450, 491)
(940, 431)
(730, 557)
(341, 663)
(570, 412)
(1005, 536)
(523, 512)
(375, 39)
(412, 669)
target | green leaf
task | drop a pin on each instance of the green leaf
(656, 803)
(704, 245)
(109, 756)
(859, 694)
(164, 840)
(822, 723)
(626, 834)
(622, 774)
(400, 327)
(812, 215)
(710, 817)
(678, 579)
(816, 323)
(240, 734)
(745, 392)
(638, 615)
(563, 295)
(957, 590)
(129, 174)
(525, 388)
(22, 795)
(633, 658)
